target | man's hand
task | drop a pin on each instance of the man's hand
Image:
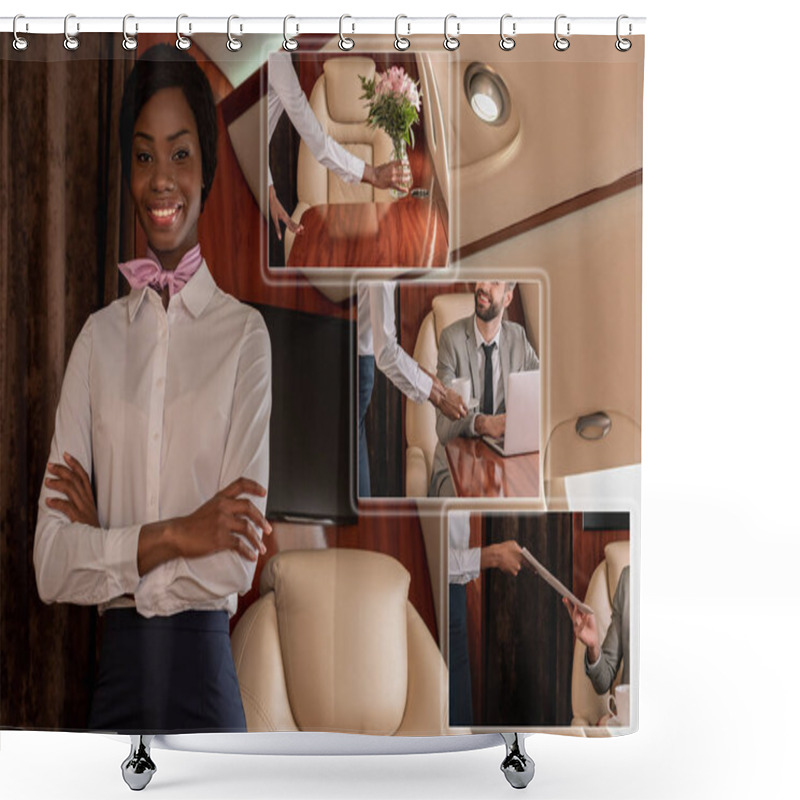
(448, 401)
(585, 629)
(72, 481)
(505, 556)
(392, 175)
(279, 215)
(493, 425)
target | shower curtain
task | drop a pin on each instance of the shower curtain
(520, 225)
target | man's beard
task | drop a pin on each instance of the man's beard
(490, 312)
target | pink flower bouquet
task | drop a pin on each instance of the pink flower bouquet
(393, 100)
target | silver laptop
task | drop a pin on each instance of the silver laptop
(522, 415)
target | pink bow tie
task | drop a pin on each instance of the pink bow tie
(141, 272)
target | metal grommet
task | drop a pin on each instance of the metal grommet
(506, 42)
(344, 42)
(289, 43)
(129, 42)
(182, 43)
(400, 42)
(19, 42)
(623, 45)
(70, 42)
(450, 42)
(234, 44)
(560, 44)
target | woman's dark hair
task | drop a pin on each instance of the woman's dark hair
(163, 66)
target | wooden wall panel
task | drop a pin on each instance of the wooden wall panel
(588, 551)
(477, 529)
(527, 639)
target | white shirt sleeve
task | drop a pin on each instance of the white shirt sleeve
(398, 366)
(329, 153)
(463, 565)
(77, 563)
(463, 561)
(198, 581)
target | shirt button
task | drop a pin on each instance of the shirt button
(160, 382)
(155, 437)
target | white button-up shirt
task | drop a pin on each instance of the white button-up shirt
(284, 93)
(377, 335)
(164, 408)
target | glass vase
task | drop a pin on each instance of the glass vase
(400, 153)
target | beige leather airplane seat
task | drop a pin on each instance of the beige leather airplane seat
(421, 417)
(587, 705)
(337, 104)
(334, 644)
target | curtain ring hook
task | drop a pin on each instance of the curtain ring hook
(507, 42)
(623, 45)
(129, 42)
(345, 43)
(400, 42)
(20, 43)
(560, 43)
(182, 43)
(234, 44)
(71, 42)
(451, 42)
(289, 42)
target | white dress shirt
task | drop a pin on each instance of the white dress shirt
(164, 408)
(284, 93)
(497, 379)
(463, 561)
(377, 335)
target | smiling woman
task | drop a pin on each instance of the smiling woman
(176, 527)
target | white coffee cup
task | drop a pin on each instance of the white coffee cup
(619, 706)
(463, 387)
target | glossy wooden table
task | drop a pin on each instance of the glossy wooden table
(404, 233)
(478, 471)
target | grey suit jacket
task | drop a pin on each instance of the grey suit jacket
(458, 358)
(616, 647)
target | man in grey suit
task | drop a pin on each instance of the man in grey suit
(465, 349)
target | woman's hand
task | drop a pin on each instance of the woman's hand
(505, 556)
(210, 529)
(391, 175)
(72, 481)
(585, 628)
(215, 525)
(279, 215)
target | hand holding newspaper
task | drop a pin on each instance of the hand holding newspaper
(548, 577)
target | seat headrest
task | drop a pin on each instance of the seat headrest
(342, 620)
(448, 308)
(343, 88)
(618, 556)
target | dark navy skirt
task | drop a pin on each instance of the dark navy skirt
(166, 675)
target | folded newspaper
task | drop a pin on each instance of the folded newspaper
(548, 577)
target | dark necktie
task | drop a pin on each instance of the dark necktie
(487, 405)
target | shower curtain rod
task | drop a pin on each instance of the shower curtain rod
(402, 25)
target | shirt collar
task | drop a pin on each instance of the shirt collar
(479, 336)
(196, 295)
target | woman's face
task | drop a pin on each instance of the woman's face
(166, 174)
